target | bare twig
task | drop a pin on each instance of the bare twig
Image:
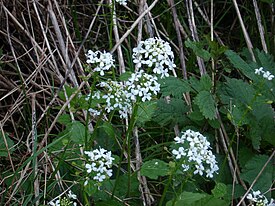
(133, 25)
(245, 33)
(260, 25)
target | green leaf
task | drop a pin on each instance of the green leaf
(64, 119)
(197, 199)
(173, 112)
(108, 203)
(187, 199)
(197, 48)
(106, 135)
(206, 83)
(108, 129)
(125, 76)
(220, 190)
(203, 84)
(238, 192)
(146, 111)
(3, 149)
(174, 86)
(245, 154)
(252, 169)
(91, 188)
(206, 103)
(240, 64)
(77, 132)
(154, 168)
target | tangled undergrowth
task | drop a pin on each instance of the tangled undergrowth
(137, 102)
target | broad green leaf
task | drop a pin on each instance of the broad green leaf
(173, 112)
(245, 154)
(252, 169)
(105, 135)
(109, 203)
(174, 86)
(196, 114)
(154, 168)
(216, 49)
(206, 104)
(197, 48)
(187, 199)
(238, 192)
(3, 149)
(64, 119)
(195, 84)
(197, 199)
(108, 129)
(122, 186)
(220, 190)
(239, 63)
(206, 83)
(146, 111)
(125, 76)
(77, 132)
(91, 188)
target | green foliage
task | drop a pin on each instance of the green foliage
(197, 48)
(246, 107)
(154, 168)
(106, 135)
(206, 103)
(146, 111)
(196, 199)
(220, 190)
(76, 131)
(174, 86)
(3, 146)
(171, 111)
(253, 167)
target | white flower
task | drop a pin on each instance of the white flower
(102, 61)
(266, 74)
(154, 53)
(56, 203)
(122, 2)
(258, 198)
(142, 85)
(100, 177)
(71, 195)
(99, 165)
(195, 150)
(259, 71)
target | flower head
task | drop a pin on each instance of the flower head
(122, 2)
(156, 54)
(99, 165)
(142, 85)
(194, 151)
(258, 199)
(102, 61)
(266, 74)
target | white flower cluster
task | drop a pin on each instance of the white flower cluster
(103, 61)
(100, 164)
(65, 201)
(142, 85)
(154, 53)
(266, 74)
(259, 199)
(194, 150)
(116, 98)
(120, 96)
(122, 2)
